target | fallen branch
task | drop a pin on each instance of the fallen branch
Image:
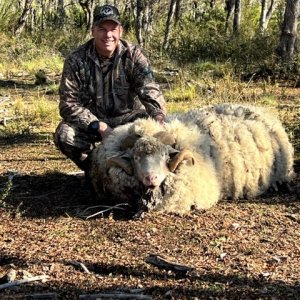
(162, 263)
(22, 281)
(80, 265)
(115, 296)
(4, 99)
(46, 296)
(106, 208)
(6, 119)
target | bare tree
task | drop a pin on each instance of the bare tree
(233, 8)
(22, 20)
(143, 12)
(148, 17)
(237, 16)
(177, 10)
(138, 20)
(229, 8)
(88, 8)
(265, 14)
(286, 47)
(169, 24)
(43, 15)
(61, 13)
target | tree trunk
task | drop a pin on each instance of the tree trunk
(61, 14)
(88, 8)
(229, 8)
(265, 15)
(286, 47)
(212, 3)
(42, 15)
(148, 16)
(169, 24)
(177, 11)
(139, 12)
(237, 17)
(22, 20)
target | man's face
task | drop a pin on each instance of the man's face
(107, 35)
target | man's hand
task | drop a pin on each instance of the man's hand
(104, 130)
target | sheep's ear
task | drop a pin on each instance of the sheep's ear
(129, 141)
(165, 138)
(122, 162)
(183, 155)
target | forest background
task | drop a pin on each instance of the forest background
(245, 35)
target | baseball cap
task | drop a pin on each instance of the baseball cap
(105, 13)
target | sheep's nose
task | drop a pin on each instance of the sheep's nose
(151, 180)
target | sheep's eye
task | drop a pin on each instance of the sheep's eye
(136, 158)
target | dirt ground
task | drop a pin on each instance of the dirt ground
(238, 250)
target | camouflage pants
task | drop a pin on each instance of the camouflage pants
(76, 143)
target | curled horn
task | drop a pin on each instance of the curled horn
(165, 138)
(184, 154)
(120, 163)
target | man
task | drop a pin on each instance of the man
(105, 83)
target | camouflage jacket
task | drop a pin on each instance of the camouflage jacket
(90, 93)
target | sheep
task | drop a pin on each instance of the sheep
(250, 147)
(234, 151)
(169, 191)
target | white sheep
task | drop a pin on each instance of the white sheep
(238, 151)
(175, 192)
(249, 146)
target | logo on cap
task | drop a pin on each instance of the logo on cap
(106, 11)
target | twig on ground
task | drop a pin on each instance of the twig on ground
(6, 119)
(80, 265)
(162, 263)
(115, 296)
(4, 99)
(22, 281)
(46, 296)
(107, 208)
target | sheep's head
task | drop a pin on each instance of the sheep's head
(151, 159)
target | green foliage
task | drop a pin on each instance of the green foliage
(8, 15)
(200, 39)
(205, 40)
(181, 92)
(24, 56)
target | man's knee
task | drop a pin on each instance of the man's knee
(71, 144)
(62, 134)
